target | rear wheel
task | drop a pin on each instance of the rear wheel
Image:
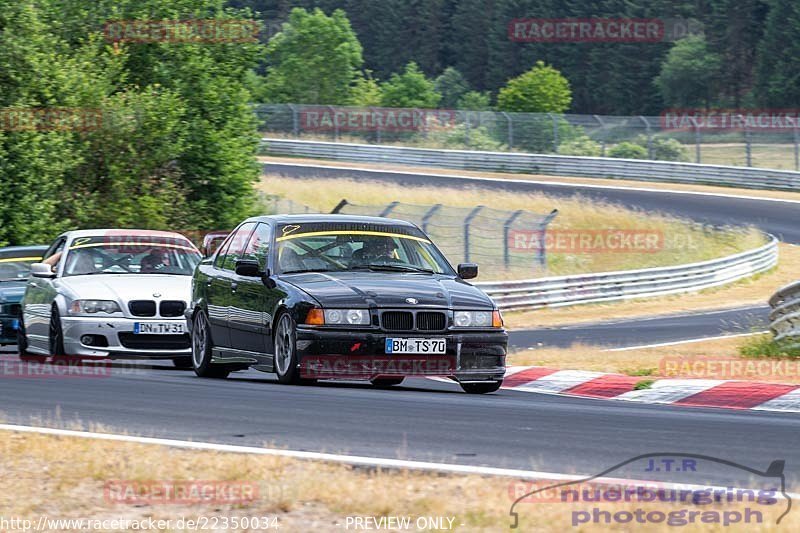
(481, 388)
(385, 383)
(202, 347)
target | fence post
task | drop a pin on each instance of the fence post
(295, 121)
(542, 253)
(427, 216)
(697, 139)
(649, 137)
(506, 227)
(377, 124)
(603, 139)
(467, 221)
(335, 123)
(467, 141)
(339, 206)
(510, 130)
(389, 209)
(555, 131)
(748, 147)
(796, 148)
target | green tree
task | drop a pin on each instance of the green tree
(778, 70)
(540, 90)
(410, 89)
(365, 91)
(475, 101)
(315, 59)
(452, 85)
(688, 73)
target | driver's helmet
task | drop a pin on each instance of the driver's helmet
(379, 247)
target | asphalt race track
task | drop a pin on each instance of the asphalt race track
(775, 217)
(434, 421)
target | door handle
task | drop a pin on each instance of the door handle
(234, 286)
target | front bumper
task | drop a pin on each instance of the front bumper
(122, 342)
(8, 329)
(337, 354)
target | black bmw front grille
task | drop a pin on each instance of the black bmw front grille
(171, 308)
(413, 321)
(431, 321)
(142, 307)
(398, 320)
(154, 342)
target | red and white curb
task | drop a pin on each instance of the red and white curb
(730, 394)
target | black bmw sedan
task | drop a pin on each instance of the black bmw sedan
(312, 297)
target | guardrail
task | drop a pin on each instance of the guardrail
(609, 286)
(590, 167)
(785, 315)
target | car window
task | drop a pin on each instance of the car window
(257, 248)
(235, 247)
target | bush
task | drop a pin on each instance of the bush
(764, 346)
(581, 146)
(456, 137)
(665, 149)
(628, 150)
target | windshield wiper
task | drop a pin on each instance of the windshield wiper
(305, 270)
(398, 268)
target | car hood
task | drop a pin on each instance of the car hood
(388, 289)
(126, 287)
(12, 291)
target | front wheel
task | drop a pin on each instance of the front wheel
(481, 388)
(22, 345)
(56, 336)
(285, 343)
(202, 347)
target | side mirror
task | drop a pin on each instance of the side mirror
(42, 270)
(248, 268)
(467, 270)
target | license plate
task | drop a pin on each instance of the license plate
(159, 328)
(416, 346)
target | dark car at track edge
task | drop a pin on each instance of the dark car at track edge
(15, 267)
(313, 297)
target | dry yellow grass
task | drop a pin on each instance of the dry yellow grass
(683, 241)
(753, 291)
(634, 362)
(780, 195)
(65, 477)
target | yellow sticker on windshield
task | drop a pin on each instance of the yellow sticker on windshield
(378, 233)
(15, 259)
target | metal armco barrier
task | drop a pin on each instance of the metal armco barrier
(609, 286)
(785, 315)
(557, 165)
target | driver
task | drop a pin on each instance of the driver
(156, 260)
(376, 250)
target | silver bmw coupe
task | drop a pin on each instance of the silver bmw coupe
(110, 294)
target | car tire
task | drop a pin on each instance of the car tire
(385, 383)
(481, 388)
(285, 351)
(202, 348)
(22, 346)
(183, 362)
(56, 334)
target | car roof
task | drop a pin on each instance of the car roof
(22, 251)
(333, 218)
(120, 231)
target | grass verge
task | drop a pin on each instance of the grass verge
(67, 477)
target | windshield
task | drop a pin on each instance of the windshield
(134, 255)
(388, 250)
(16, 268)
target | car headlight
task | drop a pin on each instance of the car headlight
(477, 319)
(91, 307)
(352, 317)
